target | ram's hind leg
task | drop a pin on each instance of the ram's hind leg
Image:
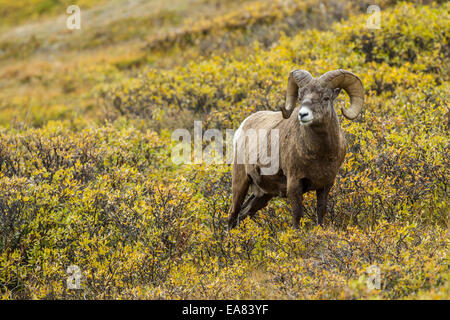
(241, 183)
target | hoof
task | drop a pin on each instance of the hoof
(232, 224)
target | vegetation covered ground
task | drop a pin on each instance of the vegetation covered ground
(87, 180)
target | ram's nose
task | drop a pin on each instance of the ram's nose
(305, 115)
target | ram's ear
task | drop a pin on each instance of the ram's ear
(297, 79)
(336, 92)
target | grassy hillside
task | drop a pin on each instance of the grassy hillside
(86, 176)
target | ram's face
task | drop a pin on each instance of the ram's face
(316, 104)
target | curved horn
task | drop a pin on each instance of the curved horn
(297, 79)
(351, 84)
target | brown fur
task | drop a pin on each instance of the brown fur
(310, 157)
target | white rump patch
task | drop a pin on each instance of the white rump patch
(238, 133)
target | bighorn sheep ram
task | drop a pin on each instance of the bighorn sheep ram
(311, 145)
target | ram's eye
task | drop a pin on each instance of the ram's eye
(326, 99)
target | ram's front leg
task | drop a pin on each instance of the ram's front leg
(295, 197)
(322, 199)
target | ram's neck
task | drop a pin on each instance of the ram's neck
(322, 142)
